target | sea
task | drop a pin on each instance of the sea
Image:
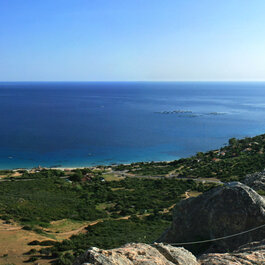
(82, 124)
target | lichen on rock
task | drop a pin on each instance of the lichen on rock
(138, 254)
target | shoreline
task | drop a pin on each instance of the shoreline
(63, 168)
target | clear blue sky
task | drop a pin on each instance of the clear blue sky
(100, 40)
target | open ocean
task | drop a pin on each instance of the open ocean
(76, 124)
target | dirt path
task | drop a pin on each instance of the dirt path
(81, 229)
(186, 194)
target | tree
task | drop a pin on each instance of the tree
(232, 141)
(76, 177)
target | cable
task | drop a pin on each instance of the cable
(215, 239)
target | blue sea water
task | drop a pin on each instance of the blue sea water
(76, 124)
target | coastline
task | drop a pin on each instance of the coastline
(82, 167)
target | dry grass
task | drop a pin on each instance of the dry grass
(194, 193)
(191, 193)
(112, 177)
(14, 240)
(16, 174)
(65, 225)
(14, 243)
(64, 229)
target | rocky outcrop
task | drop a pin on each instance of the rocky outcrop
(160, 254)
(253, 253)
(222, 211)
(138, 254)
(256, 181)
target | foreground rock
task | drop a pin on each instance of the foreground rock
(222, 211)
(256, 181)
(253, 253)
(159, 254)
(138, 254)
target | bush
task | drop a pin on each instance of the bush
(34, 243)
(65, 259)
(31, 252)
(27, 227)
(32, 259)
(47, 243)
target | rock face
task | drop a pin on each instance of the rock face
(255, 181)
(160, 254)
(138, 254)
(253, 253)
(222, 211)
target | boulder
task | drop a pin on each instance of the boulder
(222, 211)
(138, 254)
(256, 181)
(252, 253)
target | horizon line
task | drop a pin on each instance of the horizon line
(132, 81)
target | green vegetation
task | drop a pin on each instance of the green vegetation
(261, 192)
(34, 200)
(122, 208)
(110, 234)
(37, 202)
(41, 174)
(5, 172)
(230, 163)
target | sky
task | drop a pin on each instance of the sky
(132, 40)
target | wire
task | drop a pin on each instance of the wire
(215, 239)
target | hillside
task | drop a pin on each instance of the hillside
(229, 163)
(224, 219)
(70, 210)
